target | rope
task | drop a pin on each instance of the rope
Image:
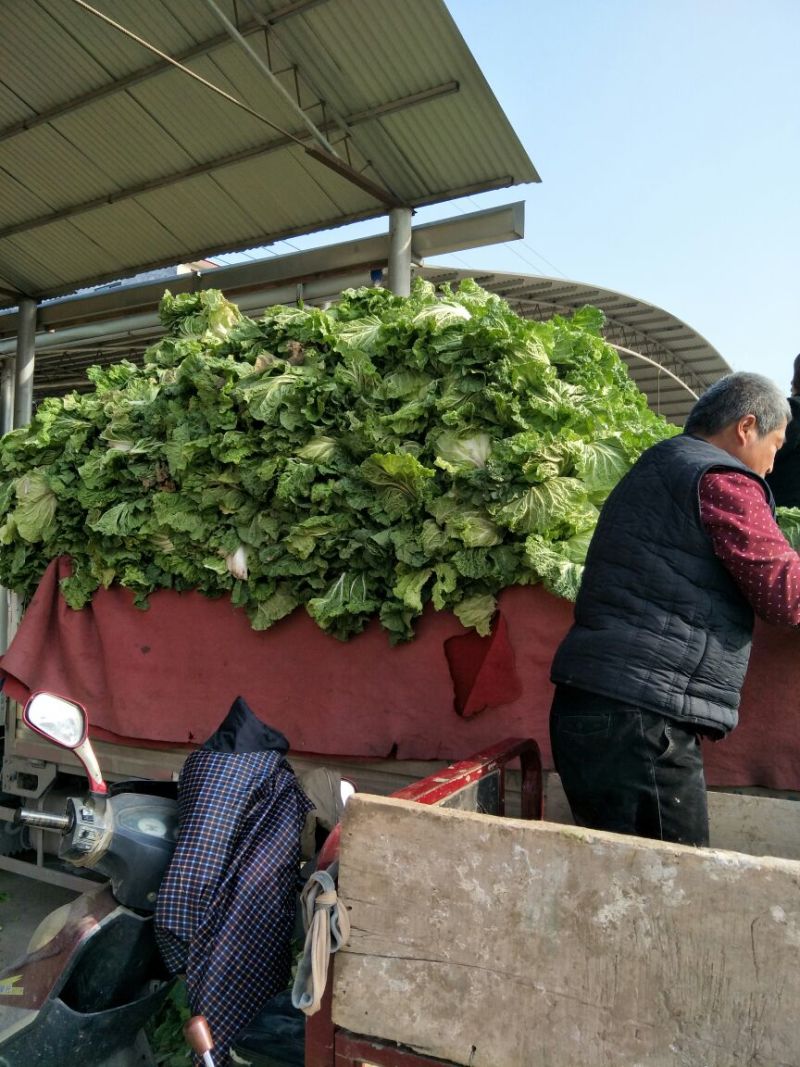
(327, 926)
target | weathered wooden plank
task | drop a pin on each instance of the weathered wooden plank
(498, 943)
(758, 825)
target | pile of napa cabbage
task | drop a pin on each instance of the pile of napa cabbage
(358, 461)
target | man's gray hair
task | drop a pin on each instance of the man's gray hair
(733, 397)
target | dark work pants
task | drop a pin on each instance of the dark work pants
(628, 770)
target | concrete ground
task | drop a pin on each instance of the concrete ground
(24, 902)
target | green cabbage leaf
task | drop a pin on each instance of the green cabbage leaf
(359, 462)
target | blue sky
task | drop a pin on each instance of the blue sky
(667, 136)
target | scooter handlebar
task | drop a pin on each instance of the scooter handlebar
(198, 1036)
(45, 820)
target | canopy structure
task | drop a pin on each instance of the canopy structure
(669, 361)
(282, 118)
(119, 321)
(139, 135)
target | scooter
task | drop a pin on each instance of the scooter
(92, 975)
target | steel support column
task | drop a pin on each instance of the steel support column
(23, 367)
(6, 395)
(23, 410)
(400, 250)
(6, 425)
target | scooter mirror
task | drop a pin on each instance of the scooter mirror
(67, 724)
(346, 790)
(57, 719)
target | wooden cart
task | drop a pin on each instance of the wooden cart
(485, 941)
(476, 784)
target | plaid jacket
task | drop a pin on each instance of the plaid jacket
(226, 908)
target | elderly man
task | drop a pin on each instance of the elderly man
(685, 551)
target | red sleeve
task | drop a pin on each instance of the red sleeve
(749, 542)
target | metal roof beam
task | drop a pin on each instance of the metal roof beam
(386, 108)
(295, 7)
(643, 313)
(294, 105)
(323, 155)
(121, 84)
(687, 348)
(379, 111)
(255, 25)
(476, 229)
(439, 238)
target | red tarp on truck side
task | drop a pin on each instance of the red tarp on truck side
(169, 674)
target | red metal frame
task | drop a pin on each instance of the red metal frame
(437, 788)
(354, 1050)
(326, 1044)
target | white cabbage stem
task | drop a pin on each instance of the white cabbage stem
(237, 563)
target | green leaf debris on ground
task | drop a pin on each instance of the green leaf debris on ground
(359, 461)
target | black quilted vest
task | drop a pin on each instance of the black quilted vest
(659, 622)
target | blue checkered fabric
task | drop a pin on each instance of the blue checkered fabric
(226, 908)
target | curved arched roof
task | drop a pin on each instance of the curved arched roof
(636, 328)
(669, 361)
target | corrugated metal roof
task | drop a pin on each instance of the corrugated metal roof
(658, 343)
(113, 161)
